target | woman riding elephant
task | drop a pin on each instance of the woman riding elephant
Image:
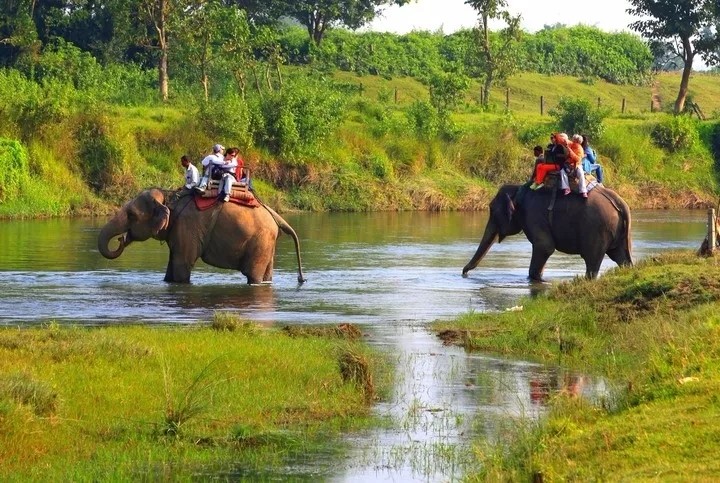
(590, 228)
(225, 236)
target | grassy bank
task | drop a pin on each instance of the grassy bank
(654, 330)
(130, 402)
(375, 158)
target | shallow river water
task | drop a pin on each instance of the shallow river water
(391, 273)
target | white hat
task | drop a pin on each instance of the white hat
(218, 148)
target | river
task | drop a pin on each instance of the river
(391, 273)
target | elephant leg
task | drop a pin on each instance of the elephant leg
(592, 267)
(267, 277)
(620, 256)
(540, 255)
(178, 269)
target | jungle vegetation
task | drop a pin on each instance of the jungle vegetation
(100, 99)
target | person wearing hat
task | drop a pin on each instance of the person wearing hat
(209, 162)
(573, 165)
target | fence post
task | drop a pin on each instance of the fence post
(542, 105)
(362, 88)
(651, 105)
(598, 102)
(623, 106)
(507, 99)
(396, 95)
(712, 235)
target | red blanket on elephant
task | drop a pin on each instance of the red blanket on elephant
(245, 199)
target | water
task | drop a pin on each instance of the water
(391, 273)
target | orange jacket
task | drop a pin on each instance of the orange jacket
(575, 153)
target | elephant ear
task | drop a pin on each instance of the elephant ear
(505, 215)
(160, 218)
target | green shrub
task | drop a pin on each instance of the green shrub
(424, 120)
(576, 115)
(675, 133)
(100, 157)
(14, 171)
(228, 119)
(297, 119)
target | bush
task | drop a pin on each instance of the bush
(297, 119)
(99, 156)
(14, 172)
(424, 120)
(675, 134)
(227, 118)
(575, 115)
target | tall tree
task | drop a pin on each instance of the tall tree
(319, 15)
(497, 59)
(686, 27)
(18, 35)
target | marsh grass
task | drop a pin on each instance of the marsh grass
(133, 402)
(182, 405)
(654, 331)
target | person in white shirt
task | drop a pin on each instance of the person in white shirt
(191, 173)
(228, 168)
(209, 162)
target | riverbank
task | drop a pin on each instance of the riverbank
(654, 330)
(129, 402)
(380, 155)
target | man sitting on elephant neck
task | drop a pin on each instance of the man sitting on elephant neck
(208, 163)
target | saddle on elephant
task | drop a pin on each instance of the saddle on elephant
(240, 193)
(552, 181)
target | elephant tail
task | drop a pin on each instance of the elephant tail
(285, 227)
(624, 210)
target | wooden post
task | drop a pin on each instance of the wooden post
(396, 95)
(623, 106)
(542, 105)
(598, 102)
(651, 105)
(507, 99)
(712, 235)
(362, 88)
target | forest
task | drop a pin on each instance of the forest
(100, 99)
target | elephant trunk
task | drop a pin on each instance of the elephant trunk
(489, 237)
(116, 226)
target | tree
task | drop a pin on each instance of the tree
(686, 27)
(319, 15)
(497, 54)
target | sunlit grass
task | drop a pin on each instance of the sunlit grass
(653, 330)
(121, 402)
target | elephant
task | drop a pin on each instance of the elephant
(589, 227)
(226, 236)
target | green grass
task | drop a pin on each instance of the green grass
(125, 402)
(653, 330)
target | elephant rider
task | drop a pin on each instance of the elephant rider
(576, 153)
(208, 162)
(552, 161)
(227, 173)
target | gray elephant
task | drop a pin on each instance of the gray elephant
(589, 227)
(225, 236)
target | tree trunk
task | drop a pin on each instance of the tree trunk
(257, 81)
(279, 75)
(163, 75)
(267, 78)
(688, 56)
(205, 83)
